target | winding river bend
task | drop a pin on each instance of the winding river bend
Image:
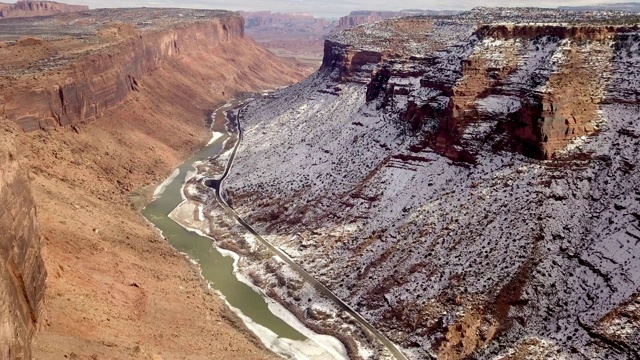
(284, 337)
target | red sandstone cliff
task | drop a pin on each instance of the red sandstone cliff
(262, 20)
(104, 78)
(557, 99)
(22, 272)
(361, 17)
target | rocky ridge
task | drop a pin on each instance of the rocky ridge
(360, 17)
(468, 183)
(27, 8)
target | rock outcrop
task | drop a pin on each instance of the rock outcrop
(22, 272)
(538, 85)
(266, 20)
(361, 17)
(27, 8)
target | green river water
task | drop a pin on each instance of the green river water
(216, 268)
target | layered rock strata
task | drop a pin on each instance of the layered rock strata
(22, 272)
(360, 17)
(538, 85)
(103, 77)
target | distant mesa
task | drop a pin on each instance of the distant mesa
(302, 36)
(360, 17)
(28, 8)
(296, 35)
(264, 21)
(284, 21)
(632, 7)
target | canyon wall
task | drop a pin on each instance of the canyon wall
(299, 36)
(22, 272)
(266, 20)
(27, 8)
(360, 17)
(104, 78)
(364, 17)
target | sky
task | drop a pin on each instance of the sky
(331, 8)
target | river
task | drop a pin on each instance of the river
(217, 267)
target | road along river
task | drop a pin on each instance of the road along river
(264, 317)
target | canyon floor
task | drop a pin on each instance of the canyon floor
(115, 288)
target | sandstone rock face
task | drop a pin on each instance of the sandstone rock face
(262, 20)
(300, 36)
(104, 78)
(363, 17)
(26, 8)
(22, 272)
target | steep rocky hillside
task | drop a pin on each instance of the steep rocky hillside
(22, 271)
(108, 102)
(469, 184)
(28, 8)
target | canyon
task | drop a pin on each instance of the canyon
(298, 36)
(467, 183)
(301, 36)
(451, 185)
(94, 113)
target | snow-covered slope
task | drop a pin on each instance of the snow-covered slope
(473, 193)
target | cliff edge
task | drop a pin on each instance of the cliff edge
(538, 85)
(28, 8)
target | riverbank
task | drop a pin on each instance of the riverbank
(278, 329)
